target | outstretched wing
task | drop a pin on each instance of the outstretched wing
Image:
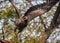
(33, 8)
(40, 9)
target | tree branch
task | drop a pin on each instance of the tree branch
(16, 9)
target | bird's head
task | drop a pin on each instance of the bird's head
(21, 23)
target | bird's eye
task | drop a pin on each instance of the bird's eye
(25, 18)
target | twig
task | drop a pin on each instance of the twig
(16, 9)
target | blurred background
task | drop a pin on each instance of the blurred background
(34, 29)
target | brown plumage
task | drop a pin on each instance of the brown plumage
(33, 12)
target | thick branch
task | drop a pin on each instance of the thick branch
(55, 17)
